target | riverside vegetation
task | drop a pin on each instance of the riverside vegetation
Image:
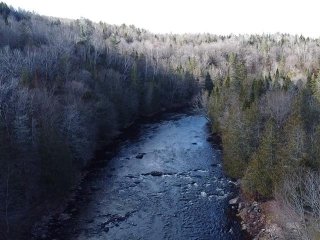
(265, 107)
(68, 87)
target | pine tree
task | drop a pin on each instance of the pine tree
(236, 142)
(287, 83)
(4, 11)
(208, 84)
(227, 81)
(237, 72)
(293, 144)
(313, 149)
(134, 75)
(277, 75)
(215, 108)
(259, 179)
(315, 86)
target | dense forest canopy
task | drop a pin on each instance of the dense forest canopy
(69, 86)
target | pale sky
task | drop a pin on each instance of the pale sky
(191, 16)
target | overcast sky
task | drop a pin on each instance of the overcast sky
(192, 16)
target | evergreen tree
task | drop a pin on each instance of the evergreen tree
(293, 143)
(238, 72)
(208, 84)
(260, 178)
(227, 81)
(277, 75)
(236, 142)
(315, 86)
(313, 149)
(287, 83)
(4, 11)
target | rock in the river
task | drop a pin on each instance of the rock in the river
(156, 174)
(140, 155)
(64, 216)
(89, 221)
(209, 139)
(234, 201)
(94, 188)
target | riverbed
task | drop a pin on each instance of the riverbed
(165, 181)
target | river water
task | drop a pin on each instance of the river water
(164, 182)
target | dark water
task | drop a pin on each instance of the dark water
(176, 190)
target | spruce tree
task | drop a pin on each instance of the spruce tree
(208, 84)
(293, 143)
(260, 177)
(313, 160)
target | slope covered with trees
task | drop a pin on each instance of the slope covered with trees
(67, 88)
(265, 106)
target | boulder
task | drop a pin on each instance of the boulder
(234, 201)
(140, 155)
(156, 174)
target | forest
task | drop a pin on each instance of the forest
(66, 89)
(69, 87)
(265, 108)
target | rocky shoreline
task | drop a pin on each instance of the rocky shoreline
(257, 218)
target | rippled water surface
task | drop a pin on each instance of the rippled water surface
(165, 183)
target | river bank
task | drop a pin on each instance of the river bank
(259, 219)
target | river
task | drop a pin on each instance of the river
(165, 181)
